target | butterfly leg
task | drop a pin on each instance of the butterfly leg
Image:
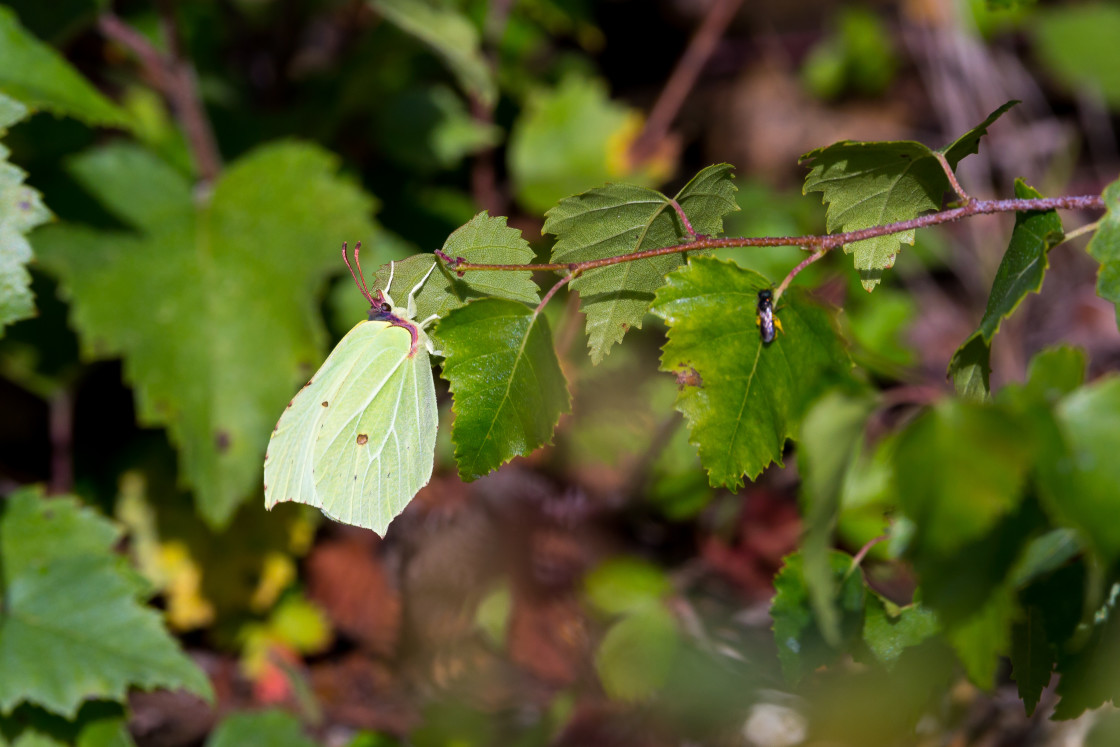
(411, 307)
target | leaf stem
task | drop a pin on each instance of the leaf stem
(552, 291)
(963, 196)
(684, 218)
(793, 273)
(1078, 232)
(176, 79)
(823, 242)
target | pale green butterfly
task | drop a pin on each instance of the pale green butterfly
(358, 440)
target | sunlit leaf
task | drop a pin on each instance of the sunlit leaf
(483, 240)
(21, 209)
(889, 630)
(71, 628)
(622, 219)
(636, 654)
(506, 381)
(869, 184)
(746, 398)
(214, 305)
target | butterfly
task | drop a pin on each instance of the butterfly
(358, 440)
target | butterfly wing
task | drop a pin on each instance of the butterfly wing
(376, 445)
(358, 441)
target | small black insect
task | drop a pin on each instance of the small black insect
(766, 320)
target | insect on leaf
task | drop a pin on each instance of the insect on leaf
(358, 441)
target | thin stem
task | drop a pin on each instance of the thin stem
(61, 419)
(683, 78)
(825, 242)
(552, 292)
(684, 218)
(1079, 232)
(859, 556)
(963, 196)
(793, 273)
(176, 79)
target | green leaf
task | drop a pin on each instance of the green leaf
(451, 35)
(622, 219)
(1024, 263)
(637, 654)
(71, 628)
(984, 637)
(508, 389)
(1105, 248)
(271, 728)
(198, 300)
(565, 141)
(1045, 554)
(1077, 44)
(1020, 272)
(749, 397)
(971, 369)
(626, 585)
(484, 240)
(1055, 372)
(1032, 657)
(1088, 674)
(889, 630)
(37, 75)
(801, 648)
(869, 184)
(832, 434)
(21, 209)
(1085, 482)
(960, 468)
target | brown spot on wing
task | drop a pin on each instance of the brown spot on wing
(325, 403)
(362, 439)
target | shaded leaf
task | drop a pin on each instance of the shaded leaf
(1032, 657)
(260, 729)
(451, 35)
(985, 636)
(198, 299)
(960, 468)
(749, 397)
(801, 648)
(35, 74)
(1020, 272)
(636, 654)
(889, 630)
(508, 389)
(71, 628)
(1084, 483)
(622, 219)
(1105, 247)
(832, 434)
(21, 209)
(869, 184)
(485, 240)
(626, 585)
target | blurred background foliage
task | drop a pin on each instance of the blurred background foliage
(598, 592)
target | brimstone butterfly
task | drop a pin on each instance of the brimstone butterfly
(359, 439)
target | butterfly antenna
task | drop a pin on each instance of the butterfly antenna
(362, 283)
